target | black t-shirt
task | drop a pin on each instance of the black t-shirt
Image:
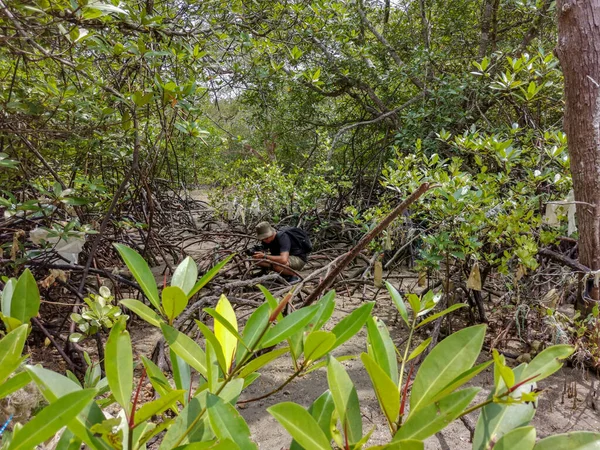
(285, 242)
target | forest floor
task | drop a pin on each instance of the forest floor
(567, 402)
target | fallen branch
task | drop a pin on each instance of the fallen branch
(575, 265)
(336, 267)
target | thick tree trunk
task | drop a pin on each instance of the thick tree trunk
(579, 52)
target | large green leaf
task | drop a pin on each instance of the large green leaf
(301, 425)
(209, 276)
(397, 300)
(322, 410)
(577, 440)
(141, 272)
(519, 438)
(352, 323)
(227, 423)
(11, 347)
(54, 386)
(185, 348)
(385, 388)
(119, 363)
(185, 275)
(346, 400)
(288, 326)
(142, 311)
(51, 419)
(547, 362)
(174, 302)
(381, 347)
(451, 357)
(317, 344)
(25, 302)
(255, 326)
(436, 416)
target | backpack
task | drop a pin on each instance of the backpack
(300, 235)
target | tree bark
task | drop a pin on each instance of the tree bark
(578, 50)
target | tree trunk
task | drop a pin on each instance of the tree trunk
(578, 50)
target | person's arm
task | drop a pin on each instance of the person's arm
(283, 258)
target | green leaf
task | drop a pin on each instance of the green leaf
(157, 406)
(288, 326)
(326, 308)
(156, 377)
(119, 363)
(497, 419)
(185, 275)
(417, 351)
(381, 347)
(209, 276)
(140, 98)
(451, 357)
(415, 303)
(397, 300)
(301, 425)
(272, 301)
(218, 444)
(322, 411)
(25, 302)
(185, 348)
(352, 323)
(141, 272)
(547, 362)
(345, 399)
(11, 347)
(410, 444)
(15, 383)
(385, 389)
(223, 321)
(51, 419)
(142, 311)
(261, 361)
(7, 295)
(227, 339)
(519, 438)
(317, 344)
(577, 440)
(227, 423)
(210, 337)
(256, 324)
(174, 302)
(461, 379)
(54, 386)
(188, 422)
(182, 372)
(440, 314)
(68, 441)
(436, 416)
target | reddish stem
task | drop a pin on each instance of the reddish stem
(135, 399)
(280, 307)
(405, 390)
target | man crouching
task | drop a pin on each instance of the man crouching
(288, 248)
